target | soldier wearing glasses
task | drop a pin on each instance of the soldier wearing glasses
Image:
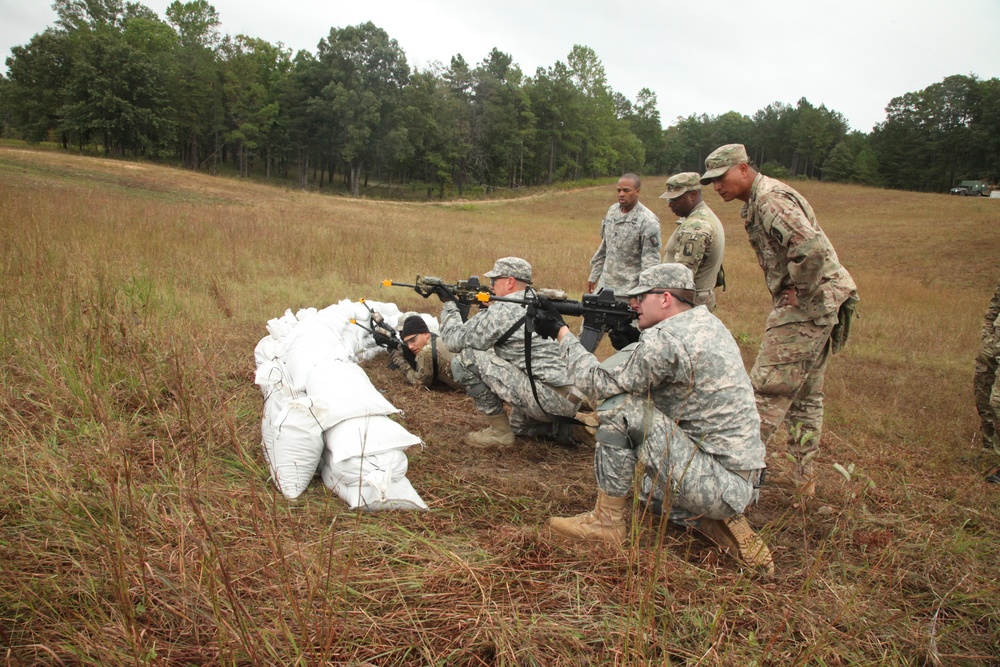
(677, 404)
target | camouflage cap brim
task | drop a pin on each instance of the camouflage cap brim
(636, 291)
(673, 194)
(713, 174)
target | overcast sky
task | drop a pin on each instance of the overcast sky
(854, 56)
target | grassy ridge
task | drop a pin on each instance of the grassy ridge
(137, 525)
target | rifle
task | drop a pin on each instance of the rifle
(384, 335)
(601, 312)
(464, 291)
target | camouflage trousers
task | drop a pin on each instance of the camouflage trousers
(678, 473)
(491, 381)
(787, 380)
(986, 387)
(705, 298)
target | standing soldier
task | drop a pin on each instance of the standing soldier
(699, 241)
(630, 241)
(986, 384)
(813, 299)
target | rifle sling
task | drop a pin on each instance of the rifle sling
(559, 419)
(434, 358)
(510, 332)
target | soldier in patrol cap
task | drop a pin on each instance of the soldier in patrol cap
(679, 403)
(699, 241)
(813, 299)
(490, 363)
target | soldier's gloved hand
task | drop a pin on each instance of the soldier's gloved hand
(443, 293)
(410, 358)
(622, 336)
(548, 320)
(396, 361)
(382, 340)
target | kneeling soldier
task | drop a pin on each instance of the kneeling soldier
(679, 402)
(491, 363)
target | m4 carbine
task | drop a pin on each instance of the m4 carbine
(385, 336)
(601, 312)
(464, 291)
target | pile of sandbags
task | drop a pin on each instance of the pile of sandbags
(321, 412)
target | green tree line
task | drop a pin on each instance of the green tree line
(114, 75)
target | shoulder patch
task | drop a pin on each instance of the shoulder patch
(780, 233)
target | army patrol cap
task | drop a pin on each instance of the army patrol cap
(514, 267)
(678, 184)
(721, 159)
(663, 277)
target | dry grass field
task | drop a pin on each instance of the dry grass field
(138, 525)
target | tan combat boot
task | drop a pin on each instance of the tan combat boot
(604, 523)
(736, 536)
(497, 434)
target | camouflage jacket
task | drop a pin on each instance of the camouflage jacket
(794, 253)
(991, 320)
(691, 368)
(630, 242)
(698, 242)
(433, 363)
(486, 327)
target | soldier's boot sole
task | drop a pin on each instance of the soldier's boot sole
(736, 536)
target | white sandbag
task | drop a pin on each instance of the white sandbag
(375, 481)
(309, 344)
(296, 447)
(401, 496)
(345, 391)
(322, 412)
(273, 376)
(275, 404)
(361, 436)
(377, 470)
(280, 327)
(268, 349)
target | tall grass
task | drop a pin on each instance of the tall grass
(138, 526)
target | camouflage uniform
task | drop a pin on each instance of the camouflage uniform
(496, 374)
(796, 255)
(630, 242)
(699, 242)
(433, 363)
(986, 385)
(679, 401)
